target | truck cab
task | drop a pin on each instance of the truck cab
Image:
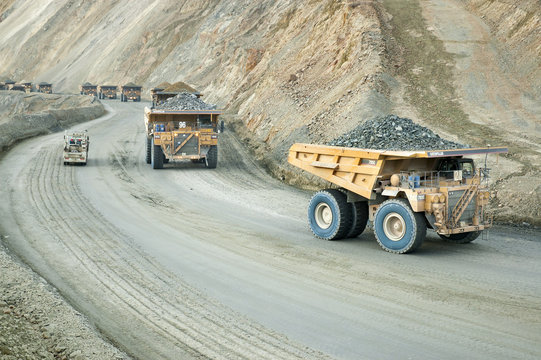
(447, 167)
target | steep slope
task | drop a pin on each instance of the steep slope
(287, 73)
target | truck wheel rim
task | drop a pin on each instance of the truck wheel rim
(323, 215)
(394, 226)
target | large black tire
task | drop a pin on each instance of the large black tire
(157, 156)
(329, 214)
(148, 157)
(398, 228)
(462, 238)
(359, 218)
(211, 160)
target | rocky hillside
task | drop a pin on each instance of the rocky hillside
(286, 73)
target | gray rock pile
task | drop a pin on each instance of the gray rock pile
(185, 101)
(392, 132)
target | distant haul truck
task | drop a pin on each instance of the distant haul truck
(45, 88)
(402, 192)
(76, 148)
(107, 91)
(180, 135)
(128, 92)
(88, 89)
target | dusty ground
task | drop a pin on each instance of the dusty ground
(36, 322)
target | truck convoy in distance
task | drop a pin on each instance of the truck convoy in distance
(180, 135)
(130, 91)
(402, 192)
(107, 91)
(88, 89)
(76, 147)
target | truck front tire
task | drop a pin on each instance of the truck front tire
(329, 214)
(211, 160)
(157, 156)
(398, 228)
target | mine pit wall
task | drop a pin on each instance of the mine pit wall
(24, 116)
(517, 26)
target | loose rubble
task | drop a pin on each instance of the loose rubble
(392, 132)
(185, 101)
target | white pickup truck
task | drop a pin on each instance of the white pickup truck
(76, 147)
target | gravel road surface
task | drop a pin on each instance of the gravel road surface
(188, 262)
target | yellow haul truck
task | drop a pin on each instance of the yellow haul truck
(44, 87)
(402, 192)
(181, 135)
(107, 91)
(88, 89)
(130, 92)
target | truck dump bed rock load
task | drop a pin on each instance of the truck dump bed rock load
(402, 192)
(393, 133)
(185, 101)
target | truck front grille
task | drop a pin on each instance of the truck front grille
(467, 215)
(190, 148)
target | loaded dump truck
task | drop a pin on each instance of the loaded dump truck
(180, 135)
(76, 148)
(130, 91)
(107, 91)
(402, 192)
(88, 89)
(44, 87)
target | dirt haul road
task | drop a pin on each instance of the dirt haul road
(188, 262)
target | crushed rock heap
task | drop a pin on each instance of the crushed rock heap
(392, 132)
(185, 101)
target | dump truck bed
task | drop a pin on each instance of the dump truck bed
(358, 169)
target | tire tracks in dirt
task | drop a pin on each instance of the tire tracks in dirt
(107, 256)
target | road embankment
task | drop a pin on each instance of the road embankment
(26, 115)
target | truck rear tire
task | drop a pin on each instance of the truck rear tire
(462, 238)
(211, 160)
(359, 218)
(148, 157)
(157, 156)
(329, 214)
(398, 228)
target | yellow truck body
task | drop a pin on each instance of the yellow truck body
(130, 93)
(174, 135)
(45, 88)
(107, 91)
(441, 185)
